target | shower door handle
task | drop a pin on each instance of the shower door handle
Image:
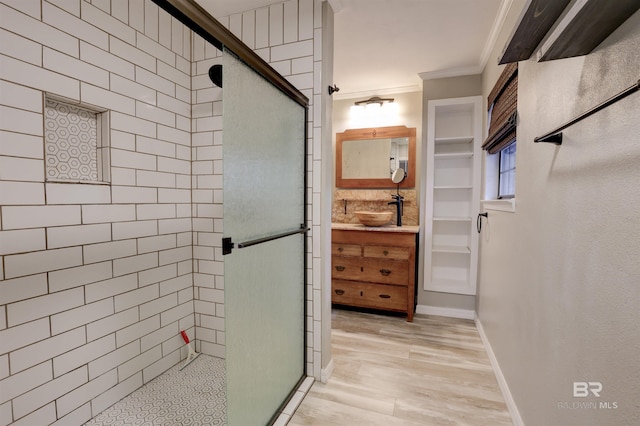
(228, 245)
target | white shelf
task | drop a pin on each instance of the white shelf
(451, 286)
(452, 187)
(454, 139)
(451, 249)
(452, 219)
(452, 155)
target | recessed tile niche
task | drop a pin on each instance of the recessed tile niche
(76, 143)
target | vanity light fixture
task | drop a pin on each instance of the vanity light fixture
(374, 100)
(374, 112)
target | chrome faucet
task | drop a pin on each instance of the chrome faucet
(399, 202)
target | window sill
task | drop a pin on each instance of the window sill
(508, 205)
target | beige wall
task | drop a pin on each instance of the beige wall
(410, 111)
(558, 283)
(452, 87)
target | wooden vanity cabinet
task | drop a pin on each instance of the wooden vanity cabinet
(374, 269)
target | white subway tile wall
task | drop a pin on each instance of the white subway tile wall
(96, 281)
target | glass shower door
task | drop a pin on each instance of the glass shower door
(264, 216)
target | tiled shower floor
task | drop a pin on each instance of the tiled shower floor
(195, 396)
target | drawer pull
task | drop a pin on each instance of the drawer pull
(339, 292)
(386, 252)
(385, 272)
(340, 249)
(385, 296)
(340, 268)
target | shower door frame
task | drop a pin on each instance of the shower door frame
(206, 26)
(202, 23)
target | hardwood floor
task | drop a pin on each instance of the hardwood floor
(433, 371)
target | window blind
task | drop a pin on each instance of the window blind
(503, 103)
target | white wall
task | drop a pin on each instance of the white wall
(96, 281)
(558, 292)
(207, 198)
(323, 197)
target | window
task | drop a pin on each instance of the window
(507, 172)
(76, 142)
(501, 141)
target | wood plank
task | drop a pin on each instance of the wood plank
(594, 22)
(538, 17)
(370, 270)
(396, 239)
(433, 371)
(346, 249)
(373, 296)
(386, 252)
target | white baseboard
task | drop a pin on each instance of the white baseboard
(325, 373)
(506, 393)
(445, 312)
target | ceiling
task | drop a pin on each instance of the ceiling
(383, 46)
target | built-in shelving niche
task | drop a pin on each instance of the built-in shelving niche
(452, 194)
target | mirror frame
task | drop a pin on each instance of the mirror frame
(377, 133)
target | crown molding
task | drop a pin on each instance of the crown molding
(496, 28)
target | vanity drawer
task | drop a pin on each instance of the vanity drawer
(401, 253)
(371, 270)
(375, 296)
(346, 249)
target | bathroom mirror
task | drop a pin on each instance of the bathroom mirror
(367, 158)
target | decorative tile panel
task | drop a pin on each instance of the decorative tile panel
(347, 201)
(71, 142)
